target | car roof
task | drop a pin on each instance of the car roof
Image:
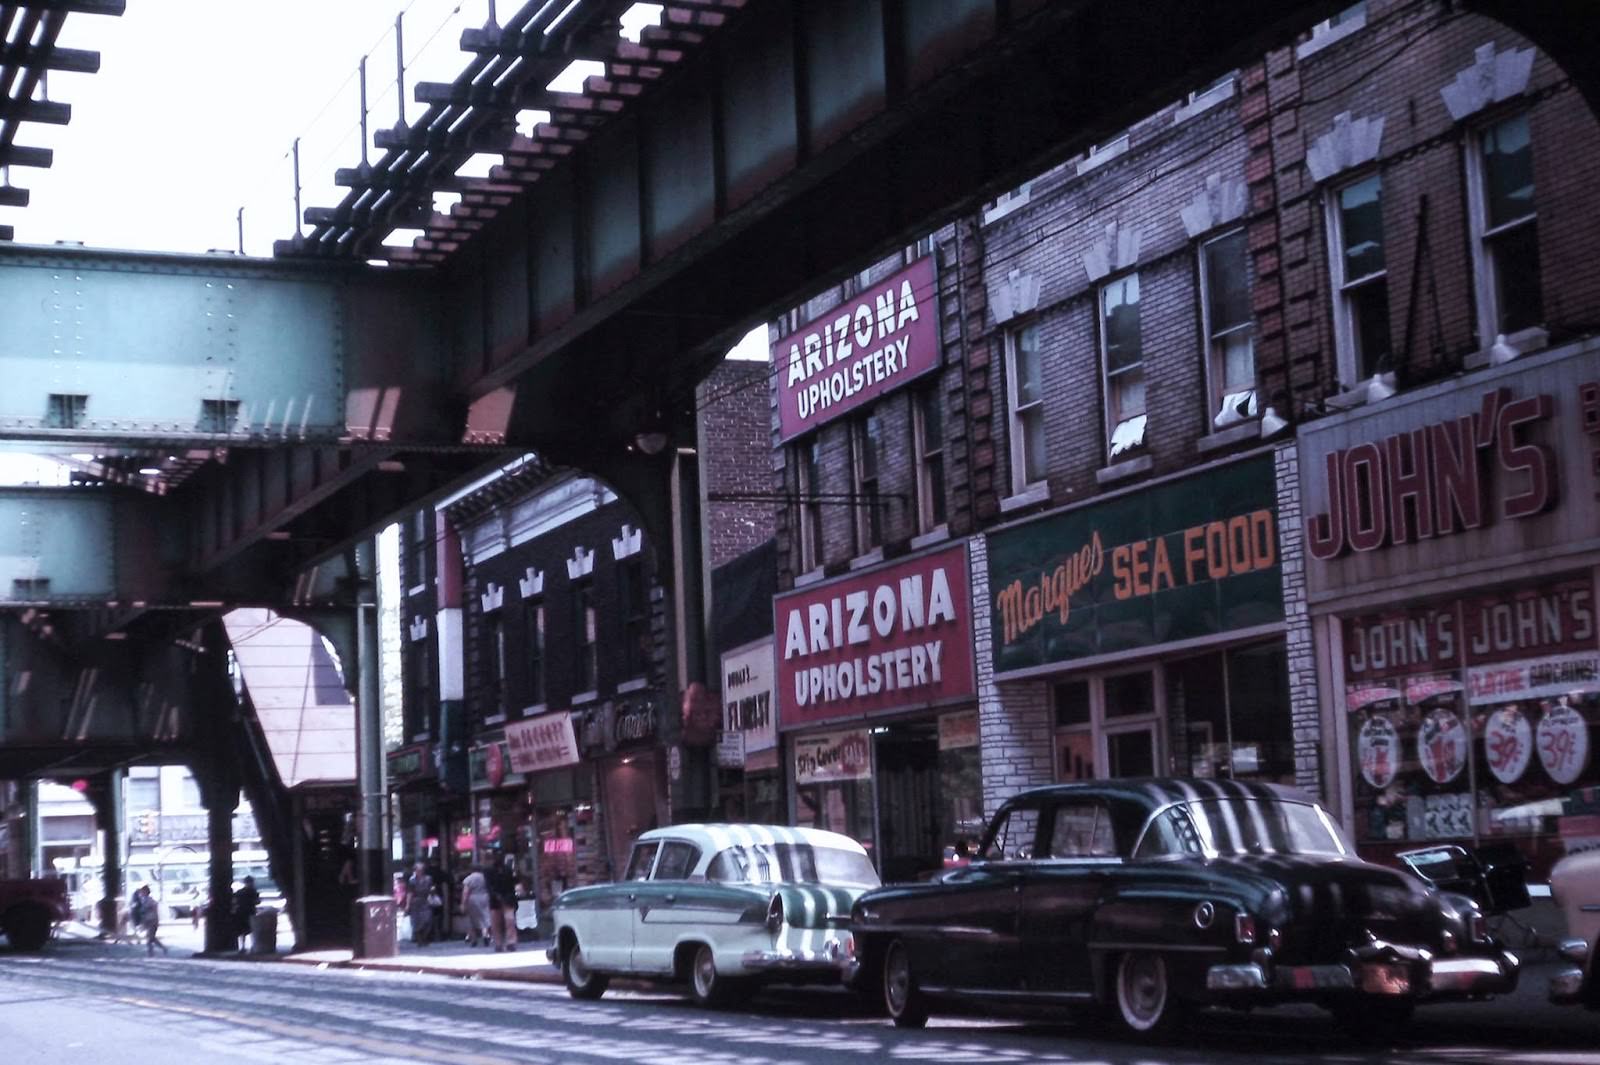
(1153, 793)
(717, 836)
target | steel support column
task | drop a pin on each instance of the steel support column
(109, 812)
(372, 819)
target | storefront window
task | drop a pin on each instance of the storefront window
(1470, 720)
(1234, 710)
(1108, 726)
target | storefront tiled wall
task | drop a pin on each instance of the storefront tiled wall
(1014, 723)
(1304, 710)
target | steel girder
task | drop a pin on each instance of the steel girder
(216, 351)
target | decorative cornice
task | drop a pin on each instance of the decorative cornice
(493, 597)
(581, 564)
(1221, 201)
(1349, 144)
(1117, 250)
(1017, 294)
(630, 543)
(1492, 77)
(531, 583)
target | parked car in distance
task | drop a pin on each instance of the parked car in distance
(717, 906)
(1145, 898)
(29, 910)
(1575, 884)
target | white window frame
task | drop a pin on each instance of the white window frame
(1101, 726)
(1015, 411)
(1113, 419)
(926, 522)
(1484, 267)
(1215, 354)
(1342, 287)
(497, 651)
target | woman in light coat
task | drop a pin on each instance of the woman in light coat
(475, 904)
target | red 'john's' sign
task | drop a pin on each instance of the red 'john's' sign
(856, 352)
(1435, 480)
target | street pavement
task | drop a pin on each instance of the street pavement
(87, 1001)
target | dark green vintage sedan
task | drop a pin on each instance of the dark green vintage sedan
(1146, 898)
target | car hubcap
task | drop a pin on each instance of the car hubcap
(705, 972)
(1144, 989)
(575, 966)
(897, 980)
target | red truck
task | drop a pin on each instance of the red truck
(29, 909)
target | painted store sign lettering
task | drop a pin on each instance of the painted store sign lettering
(1433, 480)
(858, 351)
(900, 636)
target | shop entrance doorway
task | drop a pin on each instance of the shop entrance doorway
(910, 842)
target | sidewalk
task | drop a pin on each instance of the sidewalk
(527, 964)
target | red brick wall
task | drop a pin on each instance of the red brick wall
(734, 412)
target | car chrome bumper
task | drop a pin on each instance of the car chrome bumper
(829, 959)
(1566, 986)
(1421, 977)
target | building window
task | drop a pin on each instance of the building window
(1026, 397)
(533, 613)
(635, 618)
(866, 448)
(928, 429)
(1122, 348)
(418, 695)
(1230, 329)
(586, 677)
(1360, 280)
(419, 543)
(1505, 237)
(496, 701)
(808, 471)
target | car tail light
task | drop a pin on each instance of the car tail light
(1478, 927)
(1244, 928)
(775, 913)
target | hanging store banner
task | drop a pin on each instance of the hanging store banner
(871, 344)
(832, 756)
(891, 638)
(544, 742)
(1486, 469)
(1190, 558)
(747, 706)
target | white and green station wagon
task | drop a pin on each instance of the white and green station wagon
(719, 907)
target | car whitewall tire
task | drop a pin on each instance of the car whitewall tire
(582, 982)
(1144, 1000)
(901, 999)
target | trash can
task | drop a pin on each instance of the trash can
(264, 932)
(374, 927)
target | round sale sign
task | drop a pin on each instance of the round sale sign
(1508, 743)
(1378, 746)
(1442, 746)
(1563, 743)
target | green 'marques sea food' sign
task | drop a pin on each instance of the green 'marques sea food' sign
(1190, 558)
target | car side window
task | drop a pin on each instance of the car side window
(1015, 834)
(1082, 830)
(1171, 833)
(644, 855)
(677, 860)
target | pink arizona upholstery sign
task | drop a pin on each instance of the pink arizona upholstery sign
(892, 638)
(869, 345)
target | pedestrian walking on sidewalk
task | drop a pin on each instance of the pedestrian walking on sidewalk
(245, 901)
(503, 905)
(145, 913)
(420, 891)
(475, 904)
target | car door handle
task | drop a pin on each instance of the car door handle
(633, 898)
(672, 898)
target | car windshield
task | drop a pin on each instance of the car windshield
(773, 863)
(1240, 826)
